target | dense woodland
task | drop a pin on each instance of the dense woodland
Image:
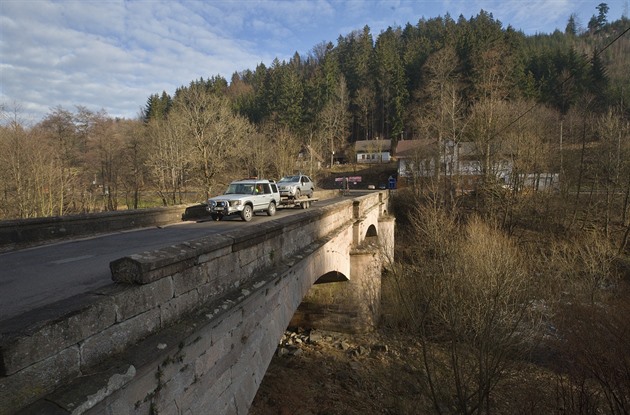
(523, 300)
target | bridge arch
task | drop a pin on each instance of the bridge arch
(332, 276)
(371, 232)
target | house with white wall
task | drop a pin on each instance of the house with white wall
(373, 151)
(425, 158)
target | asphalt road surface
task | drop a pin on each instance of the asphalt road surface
(34, 277)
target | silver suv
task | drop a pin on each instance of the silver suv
(245, 197)
(295, 186)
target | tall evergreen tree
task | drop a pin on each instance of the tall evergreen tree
(157, 106)
(602, 9)
(392, 83)
(571, 28)
(598, 85)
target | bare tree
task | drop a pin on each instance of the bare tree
(60, 131)
(133, 171)
(334, 120)
(283, 149)
(105, 144)
(488, 115)
(594, 375)
(168, 159)
(441, 118)
(13, 166)
(216, 134)
(469, 296)
(614, 161)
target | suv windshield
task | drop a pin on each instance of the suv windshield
(289, 179)
(240, 189)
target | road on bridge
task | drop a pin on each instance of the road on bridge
(35, 277)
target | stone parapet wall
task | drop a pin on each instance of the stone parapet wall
(22, 232)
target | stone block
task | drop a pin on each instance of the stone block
(211, 291)
(118, 337)
(89, 390)
(177, 307)
(221, 394)
(42, 407)
(247, 237)
(225, 248)
(134, 398)
(206, 360)
(173, 387)
(147, 268)
(250, 259)
(47, 337)
(189, 280)
(244, 391)
(34, 382)
(136, 300)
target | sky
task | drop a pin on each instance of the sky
(112, 55)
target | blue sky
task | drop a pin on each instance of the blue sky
(112, 55)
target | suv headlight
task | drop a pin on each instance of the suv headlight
(235, 202)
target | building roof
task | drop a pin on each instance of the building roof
(408, 148)
(411, 148)
(373, 146)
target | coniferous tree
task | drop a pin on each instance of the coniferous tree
(392, 84)
(571, 28)
(157, 106)
(291, 98)
(602, 9)
(598, 85)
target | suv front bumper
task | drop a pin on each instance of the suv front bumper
(224, 207)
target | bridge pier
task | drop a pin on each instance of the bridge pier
(351, 305)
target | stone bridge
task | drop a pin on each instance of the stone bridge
(192, 328)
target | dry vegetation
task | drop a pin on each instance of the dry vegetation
(479, 318)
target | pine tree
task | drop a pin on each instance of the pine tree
(571, 28)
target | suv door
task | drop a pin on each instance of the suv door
(275, 192)
(263, 196)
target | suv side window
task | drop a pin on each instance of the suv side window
(266, 189)
(274, 188)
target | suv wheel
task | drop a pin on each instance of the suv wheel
(247, 213)
(298, 193)
(271, 210)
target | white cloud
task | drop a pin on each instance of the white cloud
(114, 54)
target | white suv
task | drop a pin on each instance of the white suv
(295, 186)
(245, 197)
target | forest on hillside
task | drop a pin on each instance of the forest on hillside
(438, 79)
